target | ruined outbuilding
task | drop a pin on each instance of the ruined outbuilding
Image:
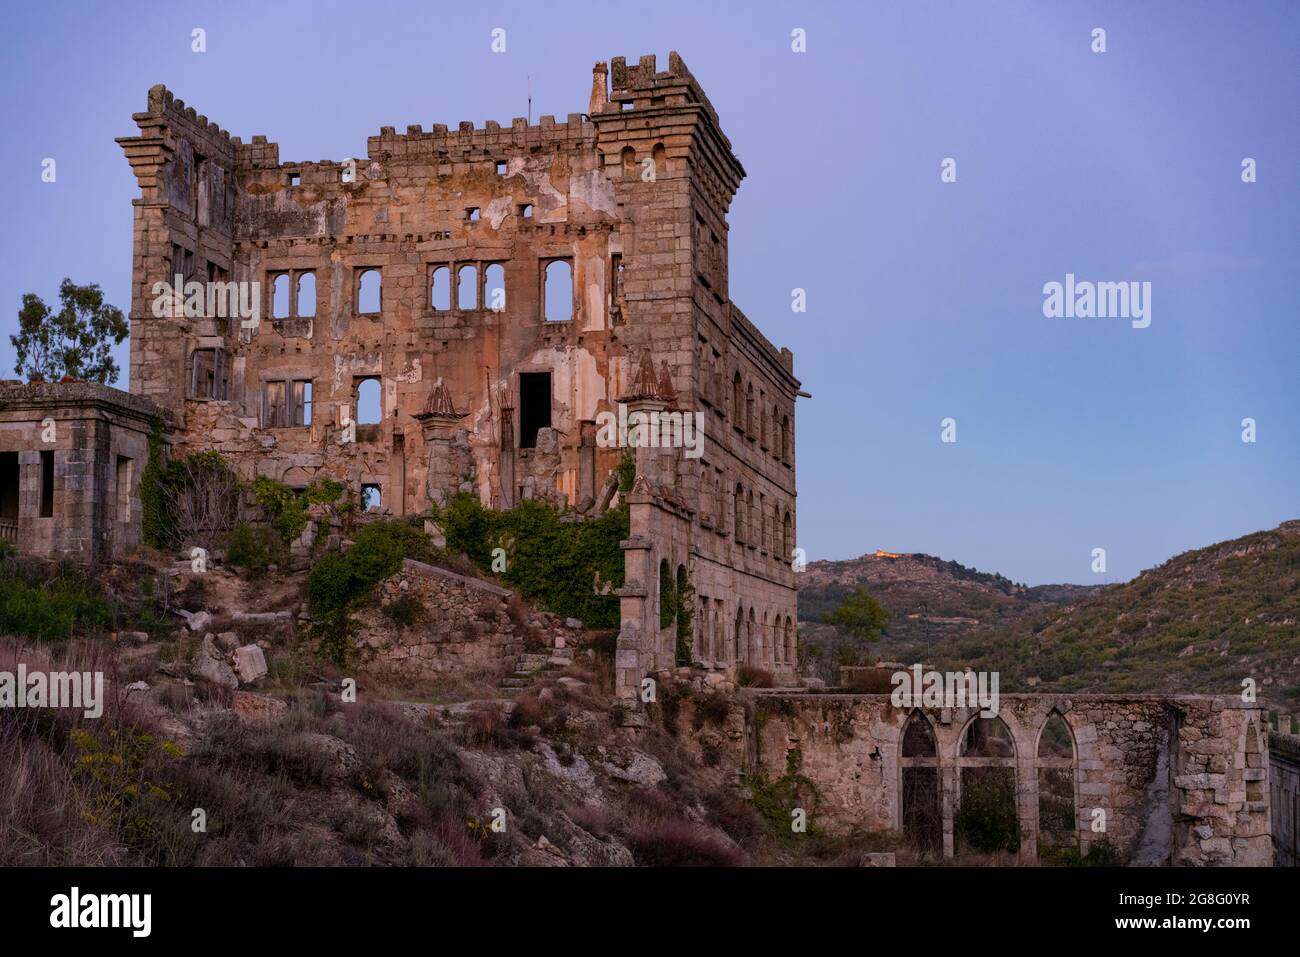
(455, 311)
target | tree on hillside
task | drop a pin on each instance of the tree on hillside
(860, 615)
(76, 341)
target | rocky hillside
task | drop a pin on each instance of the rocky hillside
(1203, 621)
(933, 602)
(225, 739)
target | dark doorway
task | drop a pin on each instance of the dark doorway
(47, 484)
(9, 486)
(534, 406)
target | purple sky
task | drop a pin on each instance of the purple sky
(924, 298)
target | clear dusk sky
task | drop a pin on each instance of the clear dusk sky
(924, 298)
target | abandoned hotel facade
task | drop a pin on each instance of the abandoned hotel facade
(494, 290)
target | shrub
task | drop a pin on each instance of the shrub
(676, 843)
(52, 612)
(986, 821)
(749, 676)
(553, 558)
(405, 612)
(246, 547)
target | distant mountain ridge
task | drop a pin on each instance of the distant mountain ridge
(1200, 622)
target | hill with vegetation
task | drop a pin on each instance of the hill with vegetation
(1203, 621)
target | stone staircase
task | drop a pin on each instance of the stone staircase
(530, 666)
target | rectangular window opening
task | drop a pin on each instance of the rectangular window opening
(534, 406)
(47, 484)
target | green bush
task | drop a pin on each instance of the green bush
(552, 558)
(286, 510)
(986, 821)
(49, 613)
(247, 547)
(341, 581)
(406, 612)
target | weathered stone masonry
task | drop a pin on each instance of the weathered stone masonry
(71, 456)
(1179, 780)
(485, 383)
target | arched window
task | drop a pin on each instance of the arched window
(369, 292)
(787, 546)
(738, 515)
(557, 294)
(1057, 821)
(494, 287)
(467, 288)
(755, 650)
(440, 288)
(280, 296)
(918, 762)
(738, 644)
(749, 410)
(750, 524)
(369, 410)
(660, 157)
(986, 820)
(307, 294)
(666, 616)
(685, 646)
(791, 644)
(785, 438)
(738, 403)
(628, 158)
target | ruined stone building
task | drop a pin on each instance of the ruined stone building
(71, 455)
(455, 310)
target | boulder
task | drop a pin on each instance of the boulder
(210, 663)
(199, 620)
(227, 641)
(874, 859)
(250, 663)
(256, 707)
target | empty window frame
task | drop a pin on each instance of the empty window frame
(47, 483)
(534, 406)
(494, 287)
(557, 290)
(369, 406)
(208, 374)
(467, 287)
(369, 292)
(293, 293)
(439, 288)
(286, 403)
(371, 497)
(473, 214)
(525, 210)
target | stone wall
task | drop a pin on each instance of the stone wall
(93, 441)
(1284, 797)
(465, 628)
(1162, 779)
